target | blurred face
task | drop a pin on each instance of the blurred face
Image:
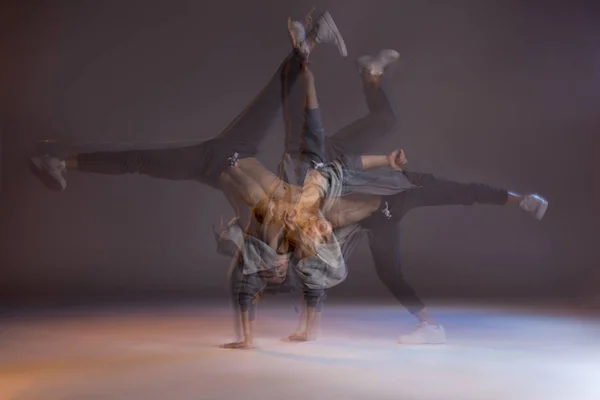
(315, 228)
(273, 211)
(282, 211)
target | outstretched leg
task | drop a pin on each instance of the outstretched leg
(431, 191)
(305, 135)
(203, 162)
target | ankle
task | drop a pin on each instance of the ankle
(370, 79)
(514, 198)
(424, 317)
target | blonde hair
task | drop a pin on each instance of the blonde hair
(308, 233)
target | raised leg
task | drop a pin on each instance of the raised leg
(305, 136)
(252, 124)
(360, 136)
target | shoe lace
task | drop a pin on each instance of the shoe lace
(233, 160)
(388, 214)
(317, 165)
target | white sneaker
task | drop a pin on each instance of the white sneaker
(425, 334)
(376, 65)
(49, 170)
(535, 205)
(324, 30)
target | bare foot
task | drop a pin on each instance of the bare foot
(298, 337)
(237, 346)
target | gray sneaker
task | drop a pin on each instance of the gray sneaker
(376, 65)
(324, 30)
(49, 170)
(535, 205)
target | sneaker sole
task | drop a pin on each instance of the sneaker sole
(338, 36)
(43, 176)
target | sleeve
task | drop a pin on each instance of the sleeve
(244, 289)
(314, 298)
(350, 163)
(325, 269)
(229, 240)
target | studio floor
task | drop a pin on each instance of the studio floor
(171, 352)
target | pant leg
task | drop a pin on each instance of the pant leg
(305, 135)
(384, 242)
(432, 191)
(250, 127)
(360, 136)
(293, 101)
(205, 162)
(179, 163)
(244, 289)
(314, 298)
(253, 123)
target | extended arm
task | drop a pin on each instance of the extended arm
(395, 160)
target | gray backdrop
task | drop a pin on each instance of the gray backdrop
(505, 92)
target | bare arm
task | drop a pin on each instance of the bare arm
(395, 160)
(315, 184)
(373, 162)
(352, 208)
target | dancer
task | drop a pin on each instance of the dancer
(382, 216)
(314, 257)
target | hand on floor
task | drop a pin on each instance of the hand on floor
(238, 345)
(298, 337)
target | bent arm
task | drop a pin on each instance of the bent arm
(373, 162)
